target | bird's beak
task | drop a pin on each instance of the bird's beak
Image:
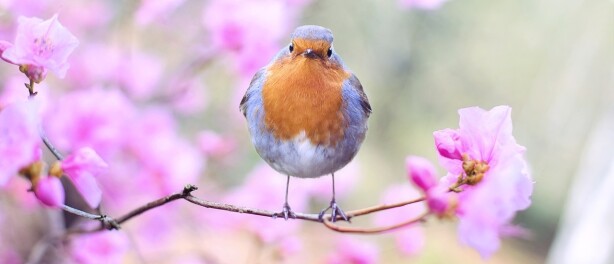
(310, 54)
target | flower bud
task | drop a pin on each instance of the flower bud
(441, 202)
(49, 191)
(421, 172)
(448, 143)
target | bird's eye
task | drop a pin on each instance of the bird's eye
(329, 52)
(291, 48)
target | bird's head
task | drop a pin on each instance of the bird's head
(312, 42)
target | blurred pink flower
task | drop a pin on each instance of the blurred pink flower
(188, 96)
(410, 240)
(81, 167)
(100, 247)
(290, 246)
(448, 143)
(96, 118)
(25, 7)
(166, 159)
(17, 188)
(350, 250)
(488, 203)
(345, 179)
(441, 201)
(155, 10)
(19, 138)
(13, 90)
(422, 4)
(214, 144)
(139, 74)
(421, 172)
(40, 46)
(265, 188)
(251, 30)
(49, 191)
(95, 63)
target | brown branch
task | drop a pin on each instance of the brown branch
(186, 194)
(373, 230)
(382, 207)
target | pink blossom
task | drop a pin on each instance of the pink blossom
(100, 247)
(96, 118)
(166, 159)
(139, 74)
(49, 191)
(290, 246)
(345, 179)
(95, 63)
(188, 96)
(410, 240)
(352, 250)
(213, 144)
(448, 143)
(17, 188)
(488, 203)
(25, 7)
(265, 188)
(13, 91)
(251, 30)
(40, 46)
(19, 138)
(81, 167)
(155, 10)
(422, 4)
(421, 172)
(441, 201)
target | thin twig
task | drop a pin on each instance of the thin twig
(106, 221)
(187, 190)
(186, 194)
(375, 230)
(382, 207)
(50, 146)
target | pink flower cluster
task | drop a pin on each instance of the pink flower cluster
(20, 145)
(488, 179)
(40, 46)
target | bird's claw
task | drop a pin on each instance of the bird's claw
(335, 210)
(286, 212)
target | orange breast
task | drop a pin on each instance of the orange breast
(302, 94)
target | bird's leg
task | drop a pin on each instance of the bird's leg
(335, 210)
(286, 211)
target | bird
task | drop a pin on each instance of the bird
(306, 112)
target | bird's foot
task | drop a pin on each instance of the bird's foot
(286, 212)
(335, 211)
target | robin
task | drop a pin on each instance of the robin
(306, 112)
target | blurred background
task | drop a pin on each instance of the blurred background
(182, 67)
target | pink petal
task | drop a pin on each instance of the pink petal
(19, 138)
(448, 143)
(87, 187)
(85, 159)
(42, 44)
(440, 200)
(101, 247)
(421, 172)
(352, 250)
(49, 191)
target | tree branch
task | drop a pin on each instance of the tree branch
(50, 146)
(186, 194)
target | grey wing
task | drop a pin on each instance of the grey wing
(361, 96)
(255, 86)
